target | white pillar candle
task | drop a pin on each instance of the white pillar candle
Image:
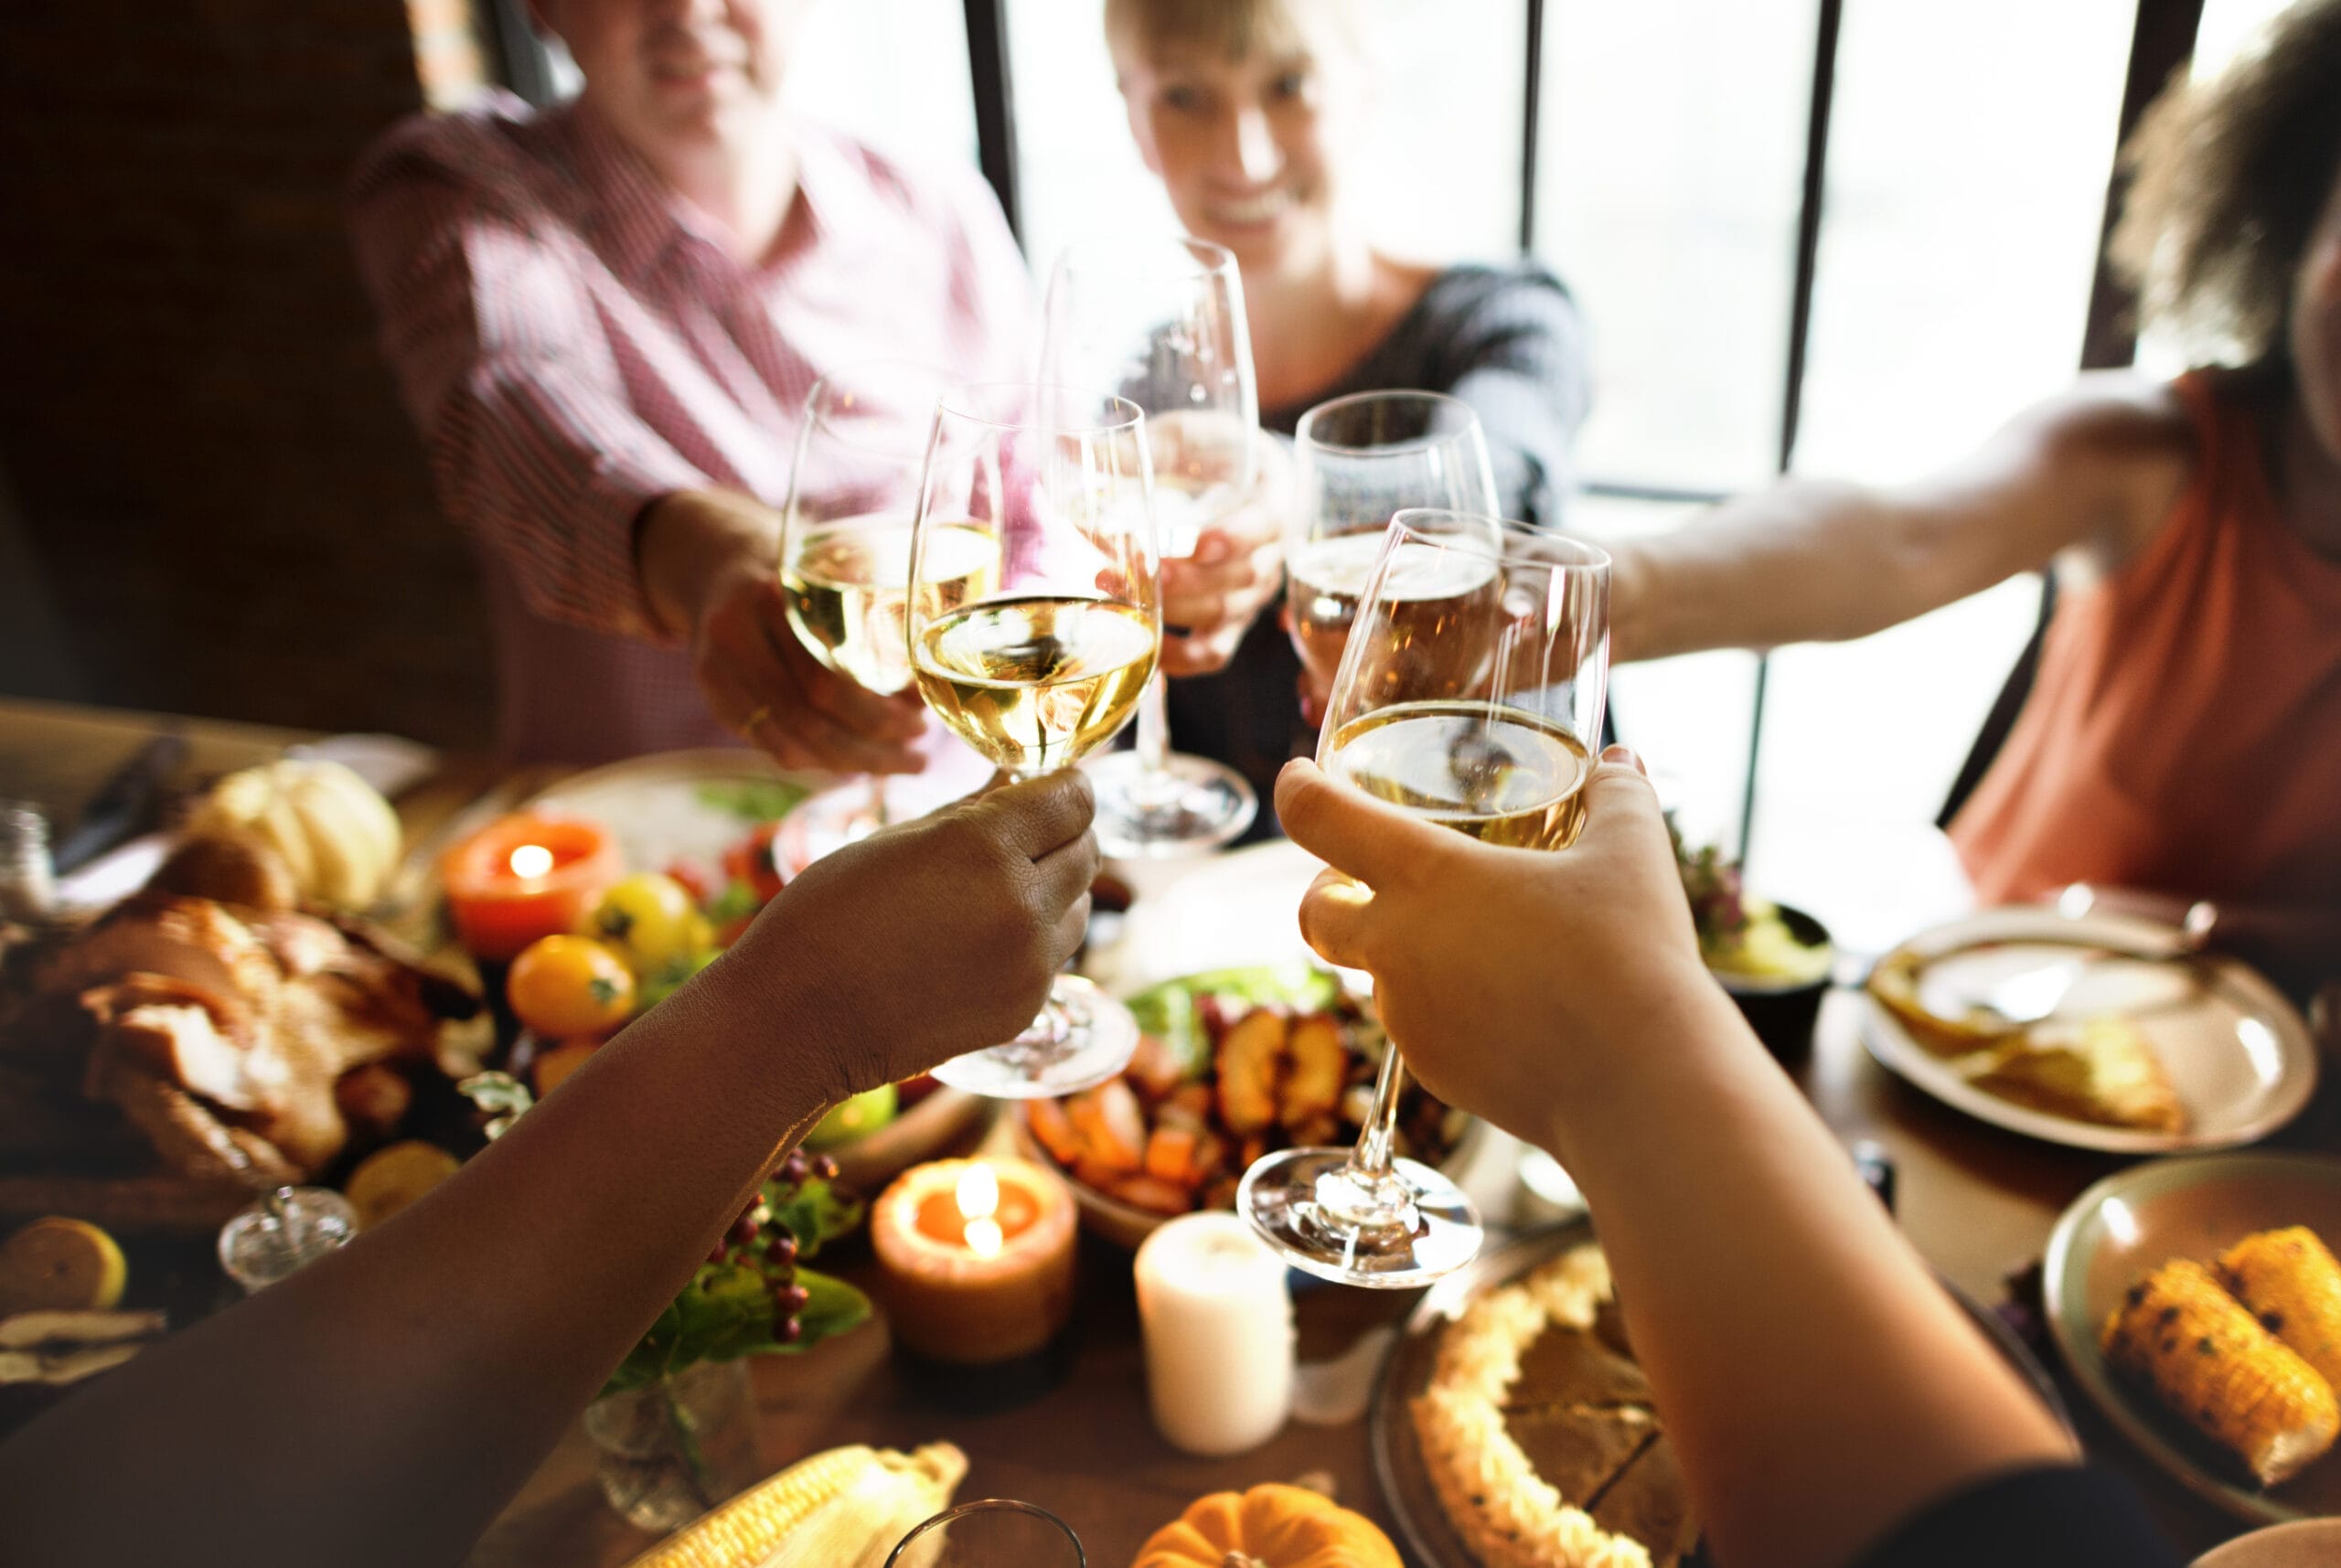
(1219, 1337)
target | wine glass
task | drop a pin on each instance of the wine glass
(845, 551)
(1358, 460)
(1043, 667)
(1160, 322)
(1471, 695)
(990, 1532)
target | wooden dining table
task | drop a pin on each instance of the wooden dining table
(1070, 1430)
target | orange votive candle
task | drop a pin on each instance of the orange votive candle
(525, 877)
(975, 1258)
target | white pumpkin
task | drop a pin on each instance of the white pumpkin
(340, 838)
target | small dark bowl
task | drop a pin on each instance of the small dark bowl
(1783, 1015)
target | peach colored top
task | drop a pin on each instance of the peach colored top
(2183, 736)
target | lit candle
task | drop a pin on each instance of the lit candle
(1219, 1337)
(975, 1258)
(521, 878)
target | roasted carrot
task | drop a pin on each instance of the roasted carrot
(1054, 1128)
(1171, 1157)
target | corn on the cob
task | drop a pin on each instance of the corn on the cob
(844, 1507)
(2290, 1282)
(2209, 1361)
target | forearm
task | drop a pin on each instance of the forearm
(382, 1406)
(1808, 561)
(1838, 1355)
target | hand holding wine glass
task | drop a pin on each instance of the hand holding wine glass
(1504, 974)
(1211, 598)
(845, 548)
(1045, 666)
(1470, 687)
(1161, 322)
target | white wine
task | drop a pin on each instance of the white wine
(1439, 623)
(1502, 774)
(1036, 683)
(848, 583)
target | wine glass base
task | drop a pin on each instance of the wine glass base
(1190, 806)
(1081, 1039)
(1295, 1200)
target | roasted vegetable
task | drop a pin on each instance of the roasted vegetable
(2209, 1361)
(2289, 1280)
(1250, 1061)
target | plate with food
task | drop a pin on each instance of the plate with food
(1513, 1428)
(702, 840)
(1231, 1065)
(2099, 1032)
(2199, 1305)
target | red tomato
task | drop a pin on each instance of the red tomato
(695, 880)
(751, 861)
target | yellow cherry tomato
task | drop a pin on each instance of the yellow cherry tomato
(648, 918)
(565, 986)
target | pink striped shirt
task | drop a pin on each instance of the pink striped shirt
(575, 342)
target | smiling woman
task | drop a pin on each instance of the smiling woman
(1257, 117)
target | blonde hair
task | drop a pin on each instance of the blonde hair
(2229, 179)
(1236, 28)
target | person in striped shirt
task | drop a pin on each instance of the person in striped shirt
(603, 319)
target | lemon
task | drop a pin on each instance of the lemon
(57, 1264)
(394, 1177)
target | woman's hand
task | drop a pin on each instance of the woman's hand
(1505, 971)
(707, 561)
(923, 941)
(1211, 598)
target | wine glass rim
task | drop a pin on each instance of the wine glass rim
(979, 1505)
(1554, 551)
(960, 402)
(1208, 255)
(1305, 430)
(822, 414)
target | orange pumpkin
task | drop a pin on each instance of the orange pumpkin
(1268, 1526)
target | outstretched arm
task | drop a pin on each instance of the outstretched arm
(1817, 1384)
(381, 1405)
(1818, 561)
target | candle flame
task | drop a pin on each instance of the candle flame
(531, 860)
(979, 1196)
(978, 1192)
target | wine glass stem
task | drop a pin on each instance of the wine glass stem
(1370, 1159)
(1154, 723)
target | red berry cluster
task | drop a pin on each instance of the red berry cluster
(755, 1241)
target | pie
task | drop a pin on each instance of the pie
(1539, 1435)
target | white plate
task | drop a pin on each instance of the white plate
(2308, 1543)
(679, 806)
(2131, 1223)
(2240, 1059)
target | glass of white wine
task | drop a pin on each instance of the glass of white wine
(1045, 666)
(1357, 462)
(1478, 708)
(845, 552)
(1160, 322)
